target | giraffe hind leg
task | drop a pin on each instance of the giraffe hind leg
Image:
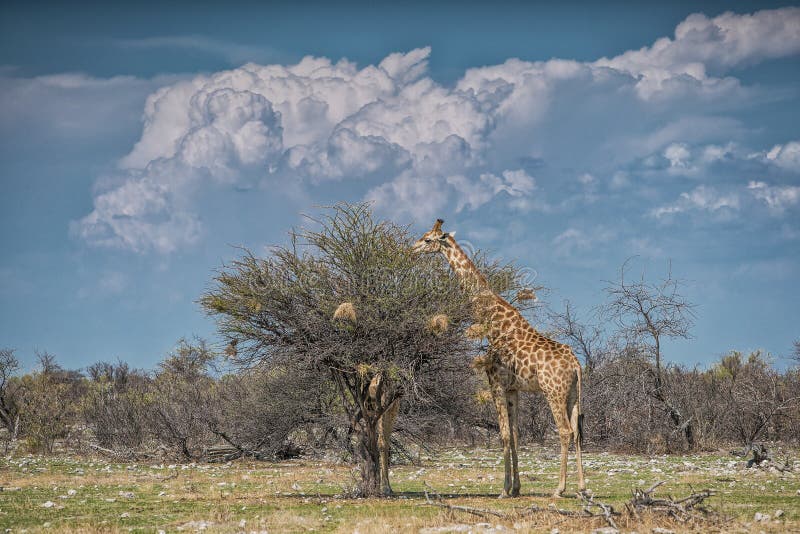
(512, 397)
(558, 407)
(504, 422)
(576, 424)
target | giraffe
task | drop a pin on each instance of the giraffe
(518, 359)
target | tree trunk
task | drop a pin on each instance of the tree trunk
(369, 458)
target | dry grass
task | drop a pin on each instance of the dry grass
(306, 495)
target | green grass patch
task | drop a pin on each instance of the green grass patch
(73, 494)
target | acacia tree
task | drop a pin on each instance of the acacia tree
(279, 311)
(647, 314)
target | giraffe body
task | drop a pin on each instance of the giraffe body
(518, 359)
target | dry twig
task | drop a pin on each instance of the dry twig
(606, 510)
(480, 512)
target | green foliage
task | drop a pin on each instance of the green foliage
(282, 307)
(48, 405)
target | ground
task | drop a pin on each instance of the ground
(95, 495)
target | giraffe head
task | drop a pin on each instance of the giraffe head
(433, 240)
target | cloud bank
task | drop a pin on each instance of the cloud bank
(531, 136)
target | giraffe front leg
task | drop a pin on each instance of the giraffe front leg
(385, 426)
(513, 418)
(501, 404)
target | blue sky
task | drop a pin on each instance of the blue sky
(140, 143)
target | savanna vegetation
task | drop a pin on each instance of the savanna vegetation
(321, 338)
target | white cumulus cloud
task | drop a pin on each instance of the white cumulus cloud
(786, 156)
(777, 198)
(702, 198)
(419, 146)
(703, 44)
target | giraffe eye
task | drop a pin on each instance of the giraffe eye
(427, 239)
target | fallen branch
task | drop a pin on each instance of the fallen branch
(480, 512)
(681, 509)
(533, 509)
(606, 509)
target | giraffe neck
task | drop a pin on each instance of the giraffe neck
(472, 280)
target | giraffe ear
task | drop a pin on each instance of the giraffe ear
(452, 234)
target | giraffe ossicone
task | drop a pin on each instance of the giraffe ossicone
(518, 359)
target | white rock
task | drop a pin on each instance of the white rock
(605, 530)
(659, 530)
(125, 514)
(777, 514)
(761, 517)
(127, 494)
(48, 504)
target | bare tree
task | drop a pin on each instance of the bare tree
(586, 339)
(754, 397)
(117, 405)
(184, 404)
(647, 314)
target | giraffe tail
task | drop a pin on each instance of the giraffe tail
(579, 429)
